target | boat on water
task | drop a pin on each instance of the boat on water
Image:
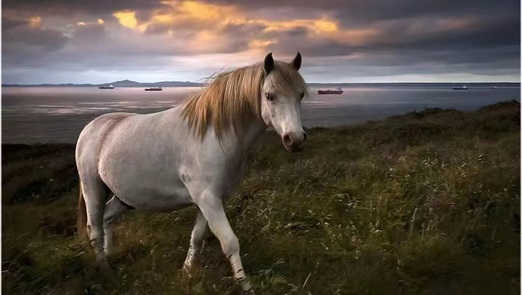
(106, 87)
(337, 90)
(461, 88)
(154, 89)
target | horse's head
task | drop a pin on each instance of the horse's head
(282, 91)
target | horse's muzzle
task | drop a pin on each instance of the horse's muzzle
(292, 141)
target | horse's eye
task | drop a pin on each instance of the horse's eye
(302, 95)
(270, 96)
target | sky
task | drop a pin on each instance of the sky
(99, 41)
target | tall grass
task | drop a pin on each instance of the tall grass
(423, 203)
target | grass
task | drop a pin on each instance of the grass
(423, 203)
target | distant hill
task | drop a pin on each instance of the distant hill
(130, 83)
(122, 83)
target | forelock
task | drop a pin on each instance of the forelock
(286, 79)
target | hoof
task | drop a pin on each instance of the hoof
(187, 270)
(102, 264)
(104, 268)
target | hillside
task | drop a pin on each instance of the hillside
(423, 203)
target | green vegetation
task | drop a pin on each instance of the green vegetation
(423, 203)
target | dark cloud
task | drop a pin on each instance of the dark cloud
(10, 23)
(243, 31)
(376, 38)
(490, 32)
(23, 44)
(61, 7)
(404, 35)
(353, 11)
(89, 34)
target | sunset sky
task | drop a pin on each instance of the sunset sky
(75, 41)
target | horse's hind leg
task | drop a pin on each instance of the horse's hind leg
(113, 211)
(95, 195)
(196, 240)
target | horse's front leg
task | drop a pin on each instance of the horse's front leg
(212, 208)
(196, 240)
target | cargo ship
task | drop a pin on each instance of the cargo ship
(337, 90)
(461, 88)
(106, 87)
(153, 89)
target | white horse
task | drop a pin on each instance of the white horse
(192, 154)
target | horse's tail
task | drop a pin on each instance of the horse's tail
(82, 214)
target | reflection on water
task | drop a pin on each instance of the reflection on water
(57, 114)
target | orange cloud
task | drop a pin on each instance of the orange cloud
(318, 26)
(127, 19)
(455, 23)
(261, 43)
(325, 25)
(206, 12)
(209, 22)
(35, 21)
(358, 36)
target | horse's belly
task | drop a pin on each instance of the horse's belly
(165, 200)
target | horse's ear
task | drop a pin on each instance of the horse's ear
(269, 63)
(297, 61)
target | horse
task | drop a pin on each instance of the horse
(191, 154)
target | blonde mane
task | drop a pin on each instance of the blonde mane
(232, 98)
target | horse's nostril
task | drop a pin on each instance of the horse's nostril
(287, 140)
(305, 136)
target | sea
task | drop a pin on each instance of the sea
(58, 114)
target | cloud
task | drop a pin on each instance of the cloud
(24, 42)
(10, 23)
(337, 38)
(127, 18)
(71, 7)
(396, 36)
(357, 11)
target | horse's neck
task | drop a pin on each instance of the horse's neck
(250, 134)
(241, 142)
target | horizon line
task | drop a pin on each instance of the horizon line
(191, 82)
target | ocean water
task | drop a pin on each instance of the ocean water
(58, 114)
